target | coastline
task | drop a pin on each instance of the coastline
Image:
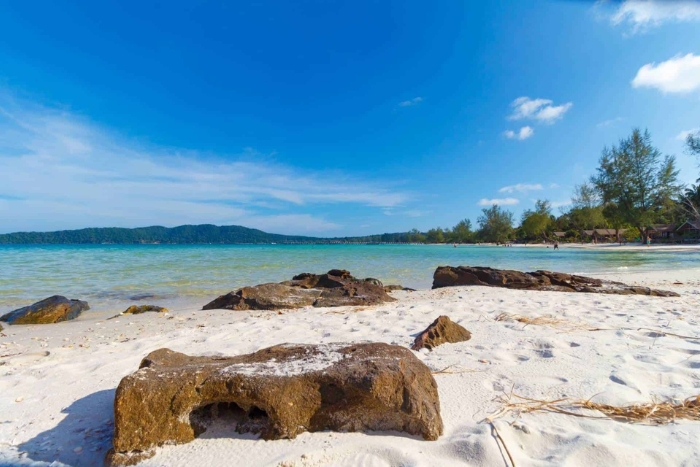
(58, 381)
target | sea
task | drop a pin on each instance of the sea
(112, 277)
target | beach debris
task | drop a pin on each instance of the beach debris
(278, 392)
(448, 276)
(442, 330)
(335, 288)
(653, 413)
(138, 309)
(50, 310)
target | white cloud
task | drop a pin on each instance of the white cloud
(498, 201)
(679, 74)
(683, 135)
(410, 102)
(524, 133)
(559, 204)
(641, 15)
(521, 188)
(553, 185)
(612, 121)
(541, 110)
(58, 171)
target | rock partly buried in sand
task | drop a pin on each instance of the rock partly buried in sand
(443, 330)
(335, 288)
(138, 309)
(278, 392)
(50, 310)
(447, 276)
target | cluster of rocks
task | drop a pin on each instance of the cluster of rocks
(335, 288)
(282, 391)
(448, 276)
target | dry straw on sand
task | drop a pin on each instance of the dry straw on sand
(653, 413)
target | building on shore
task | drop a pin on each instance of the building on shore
(604, 235)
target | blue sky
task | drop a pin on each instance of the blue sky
(328, 118)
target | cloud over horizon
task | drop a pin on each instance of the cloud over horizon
(642, 15)
(541, 110)
(60, 171)
(521, 188)
(498, 201)
(680, 74)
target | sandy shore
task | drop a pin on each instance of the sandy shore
(57, 381)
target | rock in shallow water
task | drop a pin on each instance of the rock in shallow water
(335, 288)
(442, 330)
(278, 392)
(448, 276)
(50, 310)
(138, 309)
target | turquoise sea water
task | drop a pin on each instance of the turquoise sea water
(115, 276)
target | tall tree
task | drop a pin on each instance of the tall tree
(637, 180)
(495, 224)
(693, 141)
(535, 224)
(462, 232)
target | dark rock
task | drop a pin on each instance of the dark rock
(138, 309)
(447, 276)
(335, 288)
(441, 331)
(278, 392)
(50, 310)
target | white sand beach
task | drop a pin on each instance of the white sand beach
(57, 381)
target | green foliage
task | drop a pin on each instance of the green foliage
(635, 184)
(435, 236)
(693, 142)
(535, 224)
(495, 225)
(461, 233)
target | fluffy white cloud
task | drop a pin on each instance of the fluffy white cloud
(498, 201)
(678, 74)
(410, 102)
(541, 110)
(524, 133)
(521, 188)
(643, 14)
(59, 171)
(683, 135)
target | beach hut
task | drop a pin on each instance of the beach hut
(689, 229)
(661, 231)
(604, 235)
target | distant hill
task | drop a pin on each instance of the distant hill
(184, 234)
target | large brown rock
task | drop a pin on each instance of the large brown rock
(277, 392)
(335, 288)
(447, 276)
(443, 330)
(50, 310)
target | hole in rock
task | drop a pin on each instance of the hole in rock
(223, 419)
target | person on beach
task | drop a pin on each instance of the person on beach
(556, 245)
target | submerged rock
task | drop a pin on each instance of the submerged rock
(443, 330)
(335, 288)
(278, 392)
(50, 310)
(448, 276)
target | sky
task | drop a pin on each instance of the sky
(328, 118)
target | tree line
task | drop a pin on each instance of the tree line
(634, 187)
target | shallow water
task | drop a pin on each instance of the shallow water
(115, 276)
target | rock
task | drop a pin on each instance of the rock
(50, 310)
(138, 309)
(335, 288)
(278, 392)
(447, 276)
(441, 331)
(392, 287)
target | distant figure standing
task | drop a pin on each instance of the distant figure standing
(648, 241)
(556, 245)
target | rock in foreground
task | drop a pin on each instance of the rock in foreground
(278, 392)
(335, 288)
(50, 310)
(443, 330)
(448, 276)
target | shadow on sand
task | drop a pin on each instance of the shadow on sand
(81, 439)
